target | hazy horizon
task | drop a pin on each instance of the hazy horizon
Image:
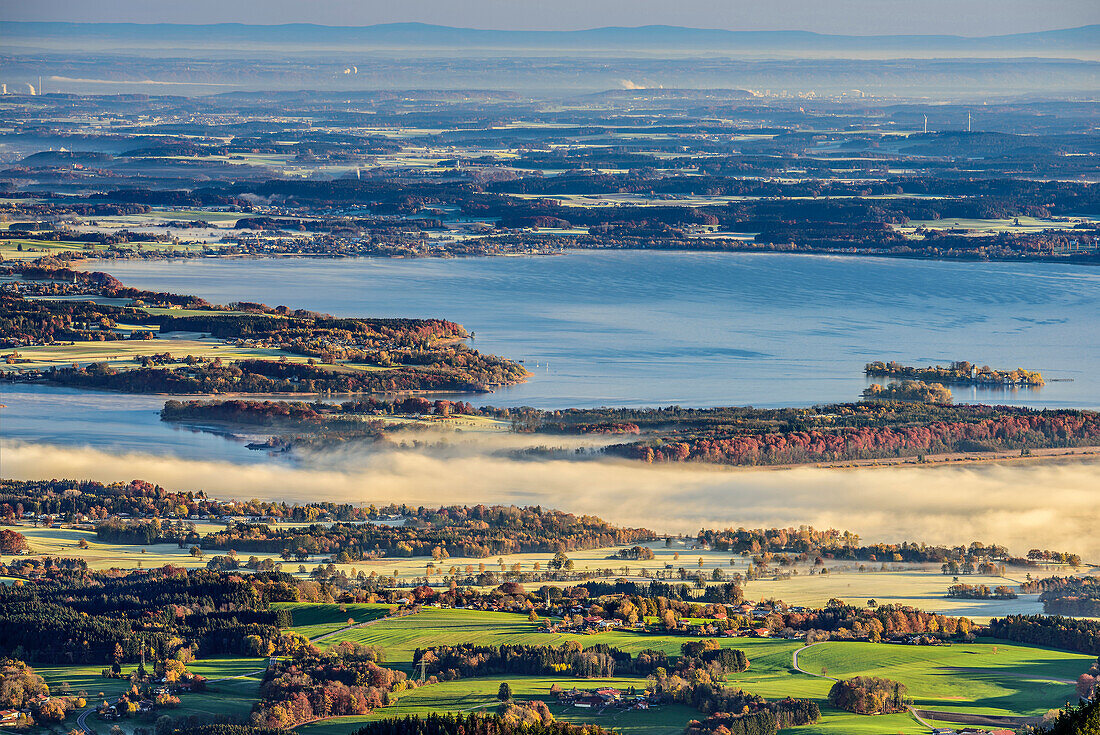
(845, 17)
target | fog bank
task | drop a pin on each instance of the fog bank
(1053, 505)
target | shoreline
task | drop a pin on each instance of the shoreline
(445, 255)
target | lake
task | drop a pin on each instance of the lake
(649, 328)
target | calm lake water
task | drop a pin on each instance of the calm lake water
(639, 328)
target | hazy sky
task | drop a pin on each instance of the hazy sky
(962, 17)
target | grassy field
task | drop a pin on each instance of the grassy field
(474, 695)
(991, 677)
(312, 620)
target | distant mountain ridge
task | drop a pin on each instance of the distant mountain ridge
(122, 36)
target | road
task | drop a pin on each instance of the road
(799, 668)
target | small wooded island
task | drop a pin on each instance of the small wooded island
(957, 373)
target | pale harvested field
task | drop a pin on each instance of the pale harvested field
(922, 587)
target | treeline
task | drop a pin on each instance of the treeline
(880, 428)
(783, 545)
(704, 690)
(464, 370)
(477, 531)
(757, 717)
(882, 622)
(1056, 631)
(594, 662)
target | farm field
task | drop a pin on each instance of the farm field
(1014, 224)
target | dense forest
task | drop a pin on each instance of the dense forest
(1082, 719)
(1002, 429)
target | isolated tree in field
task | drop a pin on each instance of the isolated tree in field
(668, 618)
(504, 694)
(196, 552)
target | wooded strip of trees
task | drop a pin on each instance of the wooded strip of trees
(1010, 431)
(473, 723)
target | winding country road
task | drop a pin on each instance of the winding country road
(799, 668)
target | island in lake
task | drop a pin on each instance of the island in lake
(957, 373)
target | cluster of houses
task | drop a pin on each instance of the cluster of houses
(120, 708)
(18, 717)
(602, 698)
(970, 731)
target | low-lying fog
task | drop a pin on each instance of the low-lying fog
(1050, 505)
